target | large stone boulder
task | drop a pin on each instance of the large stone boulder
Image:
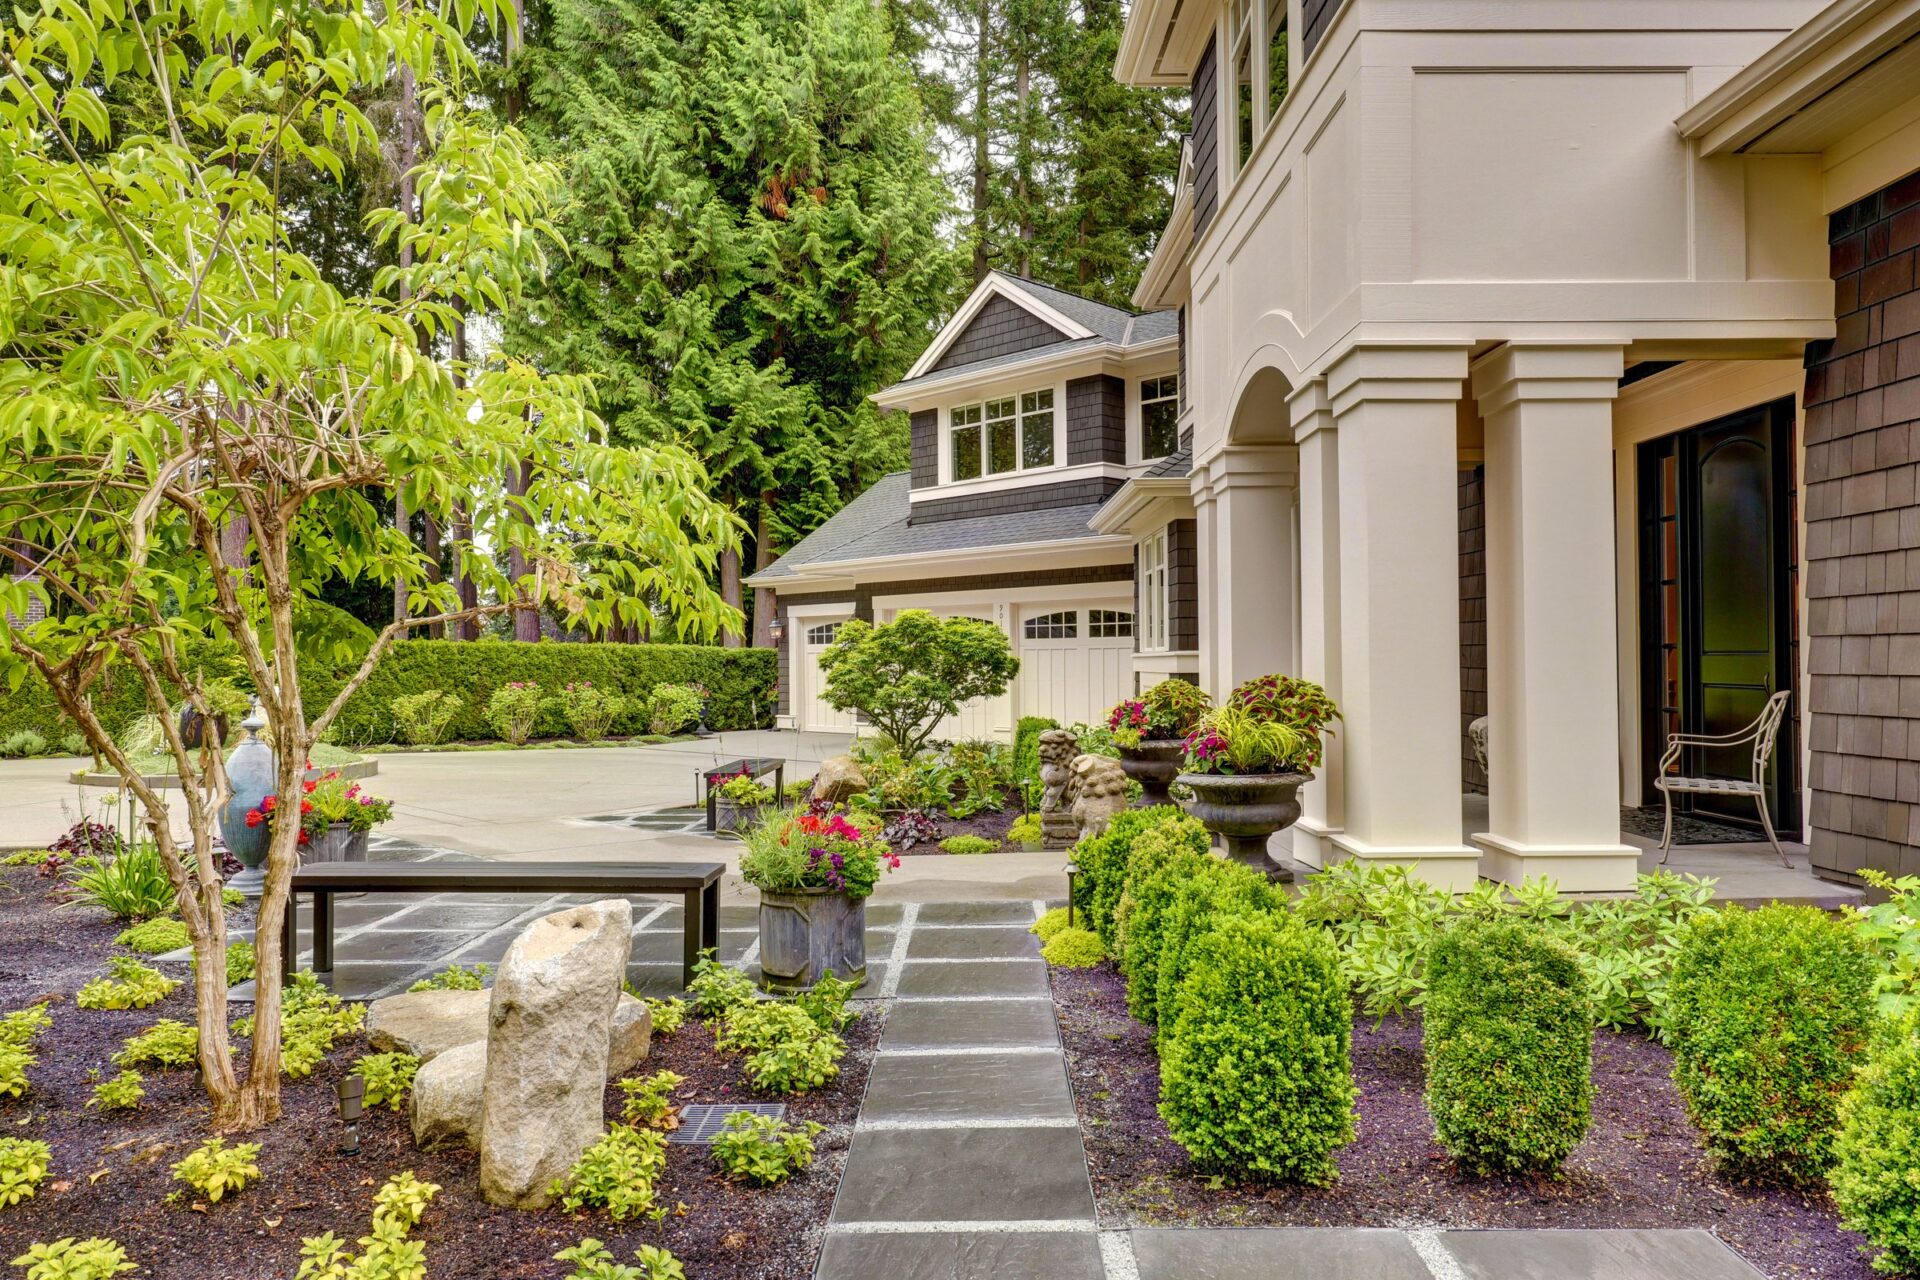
(839, 780)
(549, 1026)
(427, 1024)
(446, 1096)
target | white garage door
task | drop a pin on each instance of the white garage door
(815, 715)
(1075, 663)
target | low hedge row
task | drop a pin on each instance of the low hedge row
(741, 680)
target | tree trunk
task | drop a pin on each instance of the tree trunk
(1023, 161)
(763, 557)
(409, 155)
(982, 156)
(466, 628)
(526, 616)
(233, 542)
(430, 547)
(730, 590)
(404, 524)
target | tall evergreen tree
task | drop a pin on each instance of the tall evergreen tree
(753, 225)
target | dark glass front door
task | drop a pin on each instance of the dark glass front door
(1718, 600)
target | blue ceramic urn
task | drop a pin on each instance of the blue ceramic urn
(252, 775)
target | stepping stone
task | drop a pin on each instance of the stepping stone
(419, 946)
(986, 942)
(1261, 1253)
(467, 918)
(965, 1175)
(1004, 913)
(985, 978)
(999, 1086)
(1594, 1255)
(983, 1024)
(957, 1255)
(884, 915)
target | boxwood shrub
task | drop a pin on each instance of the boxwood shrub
(1256, 1075)
(1876, 1170)
(1509, 1043)
(1173, 876)
(1104, 861)
(1769, 1013)
(1219, 889)
(1026, 747)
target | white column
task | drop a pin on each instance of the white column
(1395, 409)
(1323, 801)
(1246, 537)
(1553, 742)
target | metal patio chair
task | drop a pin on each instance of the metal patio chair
(1763, 732)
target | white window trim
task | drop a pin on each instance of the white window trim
(1136, 416)
(1151, 627)
(989, 480)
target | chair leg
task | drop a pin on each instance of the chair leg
(1766, 820)
(1666, 832)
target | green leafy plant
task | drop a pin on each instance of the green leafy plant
(18, 1031)
(128, 985)
(980, 772)
(1026, 749)
(75, 744)
(26, 858)
(25, 743)
(649, 1100)
(969, 845)
(594, 1261)
(810, 851)
(1049, 925)
(512, 709)
(668, 1015)
(241, 962)
(387, 1253)
(167, 1043)
(787, 1051)
(456, 978)
(673, 707)
(1103, 861)
(1888, 928)
(826, 1002)
(763, 1149)
(1216, 889)
(745, 791)
(616, 1173)
(312, 1021)
(388, 1078)
(1769, 1015)
(122, 1093)
(132, 885)
(909, 674)
(1875, 1176)
(1164, 861)
(1026, 832)
(590, 709)
(422, 717)
(154, 937)
(1234, 740)
(216, 1170)
(1300, 705)
(717, 988)
(1255, 1072)
(23, 1167)
(95, 1258)
(750, 1026)
(1074, 949)
(1509, 1044)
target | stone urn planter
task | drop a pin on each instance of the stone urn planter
(1154, 764)
(338, 843)
(251, 774)
(805, 934)
(1245, 809)
(732, 815)
(197, 730)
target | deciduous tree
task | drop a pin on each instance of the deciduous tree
(908, 675)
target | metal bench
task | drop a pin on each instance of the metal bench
(698, 884)
(755, 767)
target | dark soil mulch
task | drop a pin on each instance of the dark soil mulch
(992, 824)
(1640, 1165)
(110, 1174)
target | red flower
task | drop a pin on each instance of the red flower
(306, 807)
(255, 817)
(303, 837)
(266, 806)
(309, 786)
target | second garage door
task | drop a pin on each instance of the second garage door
(1075, 662)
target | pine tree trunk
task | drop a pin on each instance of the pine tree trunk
(526, 619)
(763, 557)
(409, 155)
(1023, 162)
(430, 547)
(730, 590)
(466, 628)
(982, 156)
(403, 523)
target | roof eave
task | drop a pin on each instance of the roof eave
(905, 393)
(1149, 55)
(1163, 283)
(1131, 510)
(808, 574)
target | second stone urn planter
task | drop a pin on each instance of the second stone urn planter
(805, 934)
(1244, 810)
(1154, 764)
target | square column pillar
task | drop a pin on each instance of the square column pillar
(1553, 714)
(1243, 508)
(1323, 801)
(1395, 410)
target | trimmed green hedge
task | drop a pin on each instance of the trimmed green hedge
(742, 682)
(1876, 1172)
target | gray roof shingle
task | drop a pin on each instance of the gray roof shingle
(1109, 324)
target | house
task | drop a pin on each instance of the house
(1037, 418)
(1582, 338)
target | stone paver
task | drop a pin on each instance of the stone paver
(1262, 1254)
(939, 979)
(951, 1175)
(978, 913)
(1594, 1255)
(963, 1255)
(972, 944)
(971, 1087)
(987, 1024)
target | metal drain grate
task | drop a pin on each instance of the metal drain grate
(701, 1122)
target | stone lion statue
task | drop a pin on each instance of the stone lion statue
(1057, 749)
(1096, 790)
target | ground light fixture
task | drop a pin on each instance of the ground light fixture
(352, 1092)
(1073, 869)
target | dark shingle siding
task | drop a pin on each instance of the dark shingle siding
(1473, 619)
(1206, 140)
(1318, 16)
(1002, 327)
(1862, 406)
(1096, 420)
(1183, 584)
(1039, 497)
(782, 652)
(926, 448)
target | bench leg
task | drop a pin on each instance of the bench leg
(691, 934)
(290, 939)
(713, 817)
(710, 916)
(322, 931)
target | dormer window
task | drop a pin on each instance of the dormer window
(1159, 416)
(1012, 433)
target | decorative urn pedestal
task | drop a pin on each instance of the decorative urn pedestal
(1154, 764)
(338, 843)
(806, 934)
(252, 776)
(1244, 810)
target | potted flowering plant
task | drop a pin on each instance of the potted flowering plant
(814, 870)
(1247, 759)
(738, 802)
(1150, 731)
(335, 818)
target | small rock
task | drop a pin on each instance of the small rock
(839, 779)
(446, 1096)
(631, 1037)
(428, 1023)
(551, 1022)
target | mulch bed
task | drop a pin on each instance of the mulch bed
(724, 1230)
(992, 824)
(1640, 1165)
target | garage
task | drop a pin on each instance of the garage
(815, 714)
(1075, 661)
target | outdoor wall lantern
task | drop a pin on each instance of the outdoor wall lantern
(777, 629)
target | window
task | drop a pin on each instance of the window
(825, 633)
(966, 442)
(1054, 626)
(1257, 38)
(1009, 434)
(1109, 624)
(1276, 57)
(1245, 127)
(1159, 416)
(1153, 593)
